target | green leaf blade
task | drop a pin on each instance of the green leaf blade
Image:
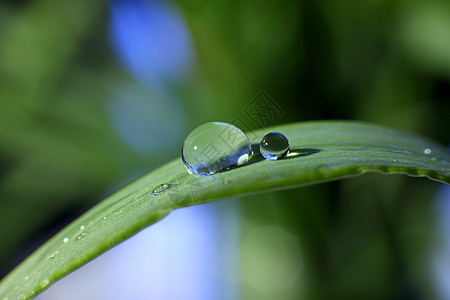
(320, 152)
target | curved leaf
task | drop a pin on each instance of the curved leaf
(320, 151)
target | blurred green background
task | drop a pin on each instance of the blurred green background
(95, 94)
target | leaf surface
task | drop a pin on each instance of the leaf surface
(320, 151)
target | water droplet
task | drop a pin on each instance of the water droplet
(52, 256)
(66, 239)
(26, 278)
(81, 236)
(44, 283)
(215, 147)
(274, 146)
(82, 227)
(427, 151)
(162, 188)
(400, 151)
(104, 218)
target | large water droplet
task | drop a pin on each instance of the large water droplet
(215, 147)
(274, 146)
(162, 188)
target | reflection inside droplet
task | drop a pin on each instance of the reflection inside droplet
(215, 147)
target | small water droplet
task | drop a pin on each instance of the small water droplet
(400, 151)
(44, 283)
(26, 278)
(82, 227)
(50, 257)
(162, 188)
(274, 146)
(104, 218)
(66, 239)
(427, 151)
(81, 236)
(215, 147)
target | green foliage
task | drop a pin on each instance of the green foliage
(320, 151)
(385, 62)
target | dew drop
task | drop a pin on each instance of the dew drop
(215, 147)
(82, 227)
(26, 278)
(66, 239)
(44, 283)
(162, 188)
(427, 151)
(81, 236)
(274, 146)
(53, 255)
(400, 151)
